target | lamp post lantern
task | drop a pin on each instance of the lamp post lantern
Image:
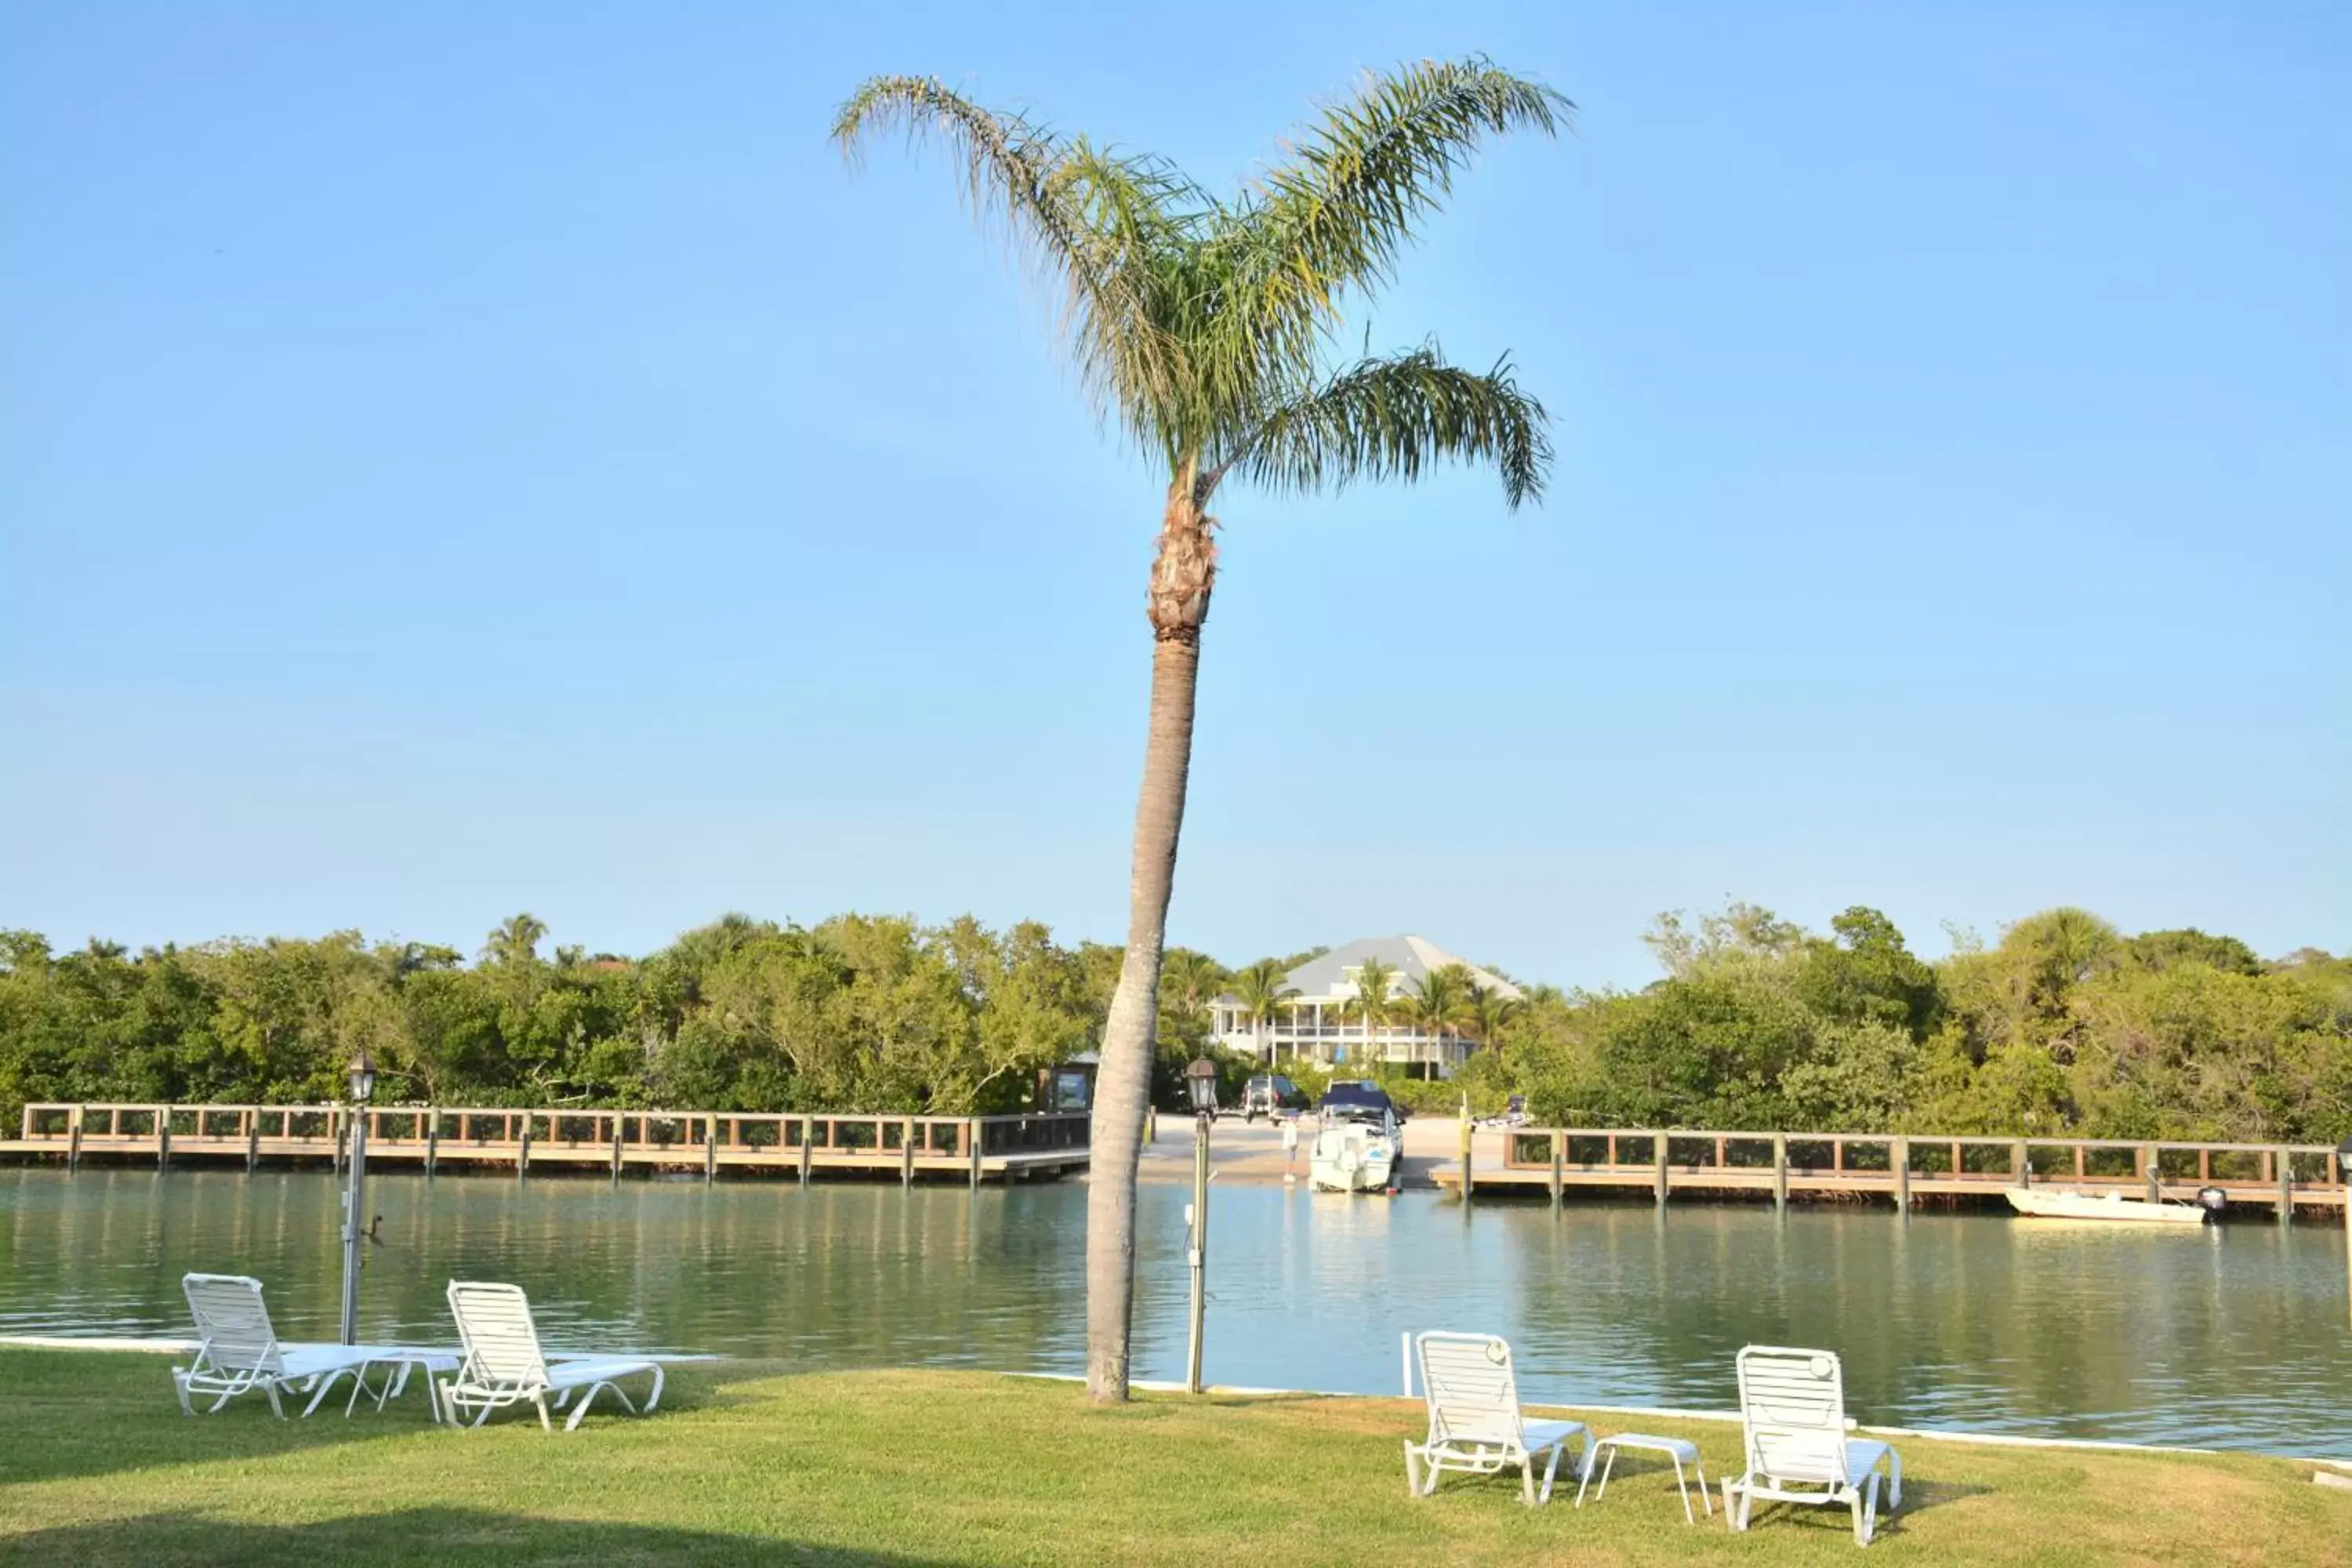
(360, 1076)
(1201, 1082)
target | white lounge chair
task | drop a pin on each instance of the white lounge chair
(238, 1350)
(1474, 1424)
(1792, 1410)
(504, 1365)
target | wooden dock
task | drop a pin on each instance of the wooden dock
(972, 1148)
(1788, 1167)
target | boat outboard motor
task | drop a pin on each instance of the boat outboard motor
(2213, 1201)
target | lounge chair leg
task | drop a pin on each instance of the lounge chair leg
(1550, 1471)
(1607, 1468)
(1683, 1488)
(180, 1387)
(581, 1409)
(1865, 1510)
(1411, 1467)
(270, 1389)
(1706, 1497)
(654, 1398)
(324, 1383)
(545, 1423)
(1894, 1481)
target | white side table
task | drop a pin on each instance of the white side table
(398, 1361)
(1682, 1450)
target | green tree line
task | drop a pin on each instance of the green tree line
(2064, 1024)
(858, 1013)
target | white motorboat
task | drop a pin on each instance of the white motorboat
(1359, 1143)
(2111, 1207)
(1354, 1156)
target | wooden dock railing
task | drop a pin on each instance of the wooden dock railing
(1901, 1166)
(972, 1147)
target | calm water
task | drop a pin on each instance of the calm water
(2229, 1336)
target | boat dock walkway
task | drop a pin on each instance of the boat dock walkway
(972, 1149)
(1787, 1166)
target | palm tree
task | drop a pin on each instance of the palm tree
(1372, 1003)
(1486, 1013)
(1436, 1005)
(1193, 979)
(1200, 326)
(515, 944)
(1188, 983)
(1260, 991)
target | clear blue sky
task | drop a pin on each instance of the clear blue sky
(461, 459)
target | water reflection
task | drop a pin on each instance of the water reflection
(2232, 1336)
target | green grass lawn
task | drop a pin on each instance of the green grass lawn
(911, 1470)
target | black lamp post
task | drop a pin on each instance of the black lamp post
(1201, 1082)
(361, 1077)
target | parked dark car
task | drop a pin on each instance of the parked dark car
(1270, 1094)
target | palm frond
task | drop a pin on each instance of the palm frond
(1338, 214)
(1094, 222)
(1385, 417)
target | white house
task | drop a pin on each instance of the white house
(1321, 1023)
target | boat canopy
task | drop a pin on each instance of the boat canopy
(1364, 1100)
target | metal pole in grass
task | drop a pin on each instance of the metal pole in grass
(361, 1074)
(2344, 1175)
(1200, 1078)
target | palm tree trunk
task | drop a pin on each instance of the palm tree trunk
(1181, 577)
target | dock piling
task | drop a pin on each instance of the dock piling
(709, 1150)
(907, 1153)
(1781, 1172)
(163, 1137)
(808, 1137)
(522, 1151)
(971, 1151)
(2152, 1166)
(1659, 1179)
(2021, 1163)
(2285, 1159)
(1899, 1156)
(73, 1142)
(1558, 1163)
(432, 1141)
(1467, 1179)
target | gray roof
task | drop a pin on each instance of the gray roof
(1330, 977)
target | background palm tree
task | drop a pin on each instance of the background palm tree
(1373, 1003)
(1435, 1007)
(1486, 1012)
(1201, 326)
(1187, 985)
(1260, 991)
(515, 944)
